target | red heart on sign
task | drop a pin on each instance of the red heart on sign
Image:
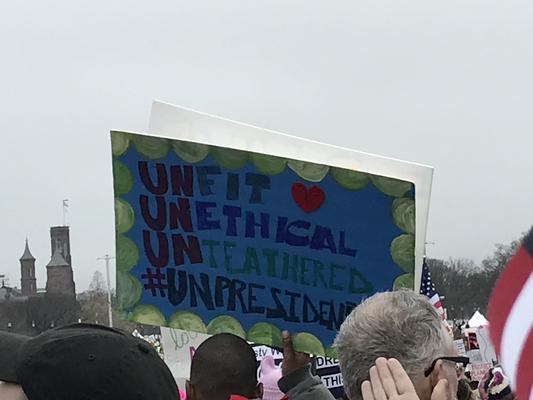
(310, 199)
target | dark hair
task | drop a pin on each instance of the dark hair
(224, 365)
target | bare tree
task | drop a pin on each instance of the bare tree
(98, 285)
(466, 286)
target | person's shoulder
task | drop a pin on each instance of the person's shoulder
(302, 385)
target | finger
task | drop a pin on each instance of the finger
(401, 379)
(377, 387)
(366, 390)
(441, 391)
(288, 349)
(386, 378)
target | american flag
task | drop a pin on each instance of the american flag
(511, 319)
(427, 288)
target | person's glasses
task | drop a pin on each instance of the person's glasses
(458, 360)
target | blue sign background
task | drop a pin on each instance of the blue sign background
(364, 215)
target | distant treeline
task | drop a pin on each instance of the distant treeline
(467, 286)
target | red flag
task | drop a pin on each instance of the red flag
(511, 319)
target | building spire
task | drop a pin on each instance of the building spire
(27, 253)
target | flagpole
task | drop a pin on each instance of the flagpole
(109, 309)
(65, 209)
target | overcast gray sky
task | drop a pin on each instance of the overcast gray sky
(444, 83)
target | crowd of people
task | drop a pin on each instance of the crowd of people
(393, 346)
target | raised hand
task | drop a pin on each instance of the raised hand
(292, 360)
(389, 381)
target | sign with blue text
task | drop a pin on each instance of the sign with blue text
(213, 238)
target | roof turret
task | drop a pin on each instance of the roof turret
(27, 253)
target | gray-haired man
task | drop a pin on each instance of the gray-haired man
(403, 326)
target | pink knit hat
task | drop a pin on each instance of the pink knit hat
(270, 375)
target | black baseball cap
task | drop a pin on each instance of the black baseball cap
(84, 361)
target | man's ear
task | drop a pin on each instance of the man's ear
(437, 374)
(258, 391)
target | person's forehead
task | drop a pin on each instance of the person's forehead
(11, 391)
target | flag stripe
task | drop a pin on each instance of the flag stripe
(506, 291)
(516, 330)
(511, 318)
(427, 288)
(435, 300)
(524, 380)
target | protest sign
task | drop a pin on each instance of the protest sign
(488, 353)
(178, 348)
(479, 344)
(262, 351)
(471, 340)
(328, 370)
(460, 347)
(252, 237)
(479, 370)
(474, 356)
